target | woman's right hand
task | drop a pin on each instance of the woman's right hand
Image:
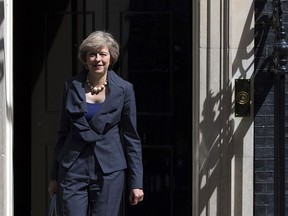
(52, 187)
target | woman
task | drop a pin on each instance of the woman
(97, 137)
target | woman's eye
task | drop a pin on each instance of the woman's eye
(92, 54)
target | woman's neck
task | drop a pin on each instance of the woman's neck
(97, 79)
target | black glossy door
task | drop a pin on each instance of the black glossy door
(156, 58)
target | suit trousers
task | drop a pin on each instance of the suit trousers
(84, 190)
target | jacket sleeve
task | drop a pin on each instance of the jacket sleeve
(131, 140)
(64, 128)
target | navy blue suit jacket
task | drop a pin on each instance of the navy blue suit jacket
(112, 129)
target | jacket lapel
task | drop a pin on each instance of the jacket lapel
(76, 102)
(76, 106)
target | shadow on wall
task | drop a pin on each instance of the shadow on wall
(219, 153)
(8, 108)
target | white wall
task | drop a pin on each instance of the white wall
(222, 143)
(6, 108)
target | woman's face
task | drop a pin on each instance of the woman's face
(98, 61)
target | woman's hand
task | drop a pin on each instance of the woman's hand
(136, 196)
(52, 187)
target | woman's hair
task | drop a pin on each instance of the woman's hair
(97, 40)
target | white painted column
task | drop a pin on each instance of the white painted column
(6, 108)
(223, 39)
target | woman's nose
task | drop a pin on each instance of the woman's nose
(97, 57)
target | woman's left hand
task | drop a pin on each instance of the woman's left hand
(136, 196)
